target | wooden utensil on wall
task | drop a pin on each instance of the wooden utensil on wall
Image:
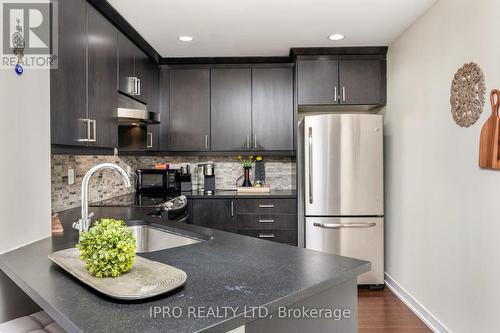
(488, 144)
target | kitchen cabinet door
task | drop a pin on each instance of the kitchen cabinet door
(231, 109)
(164, 126)
(272, 108)
(362, 82)
(102, 70)
(153, 137)
(126, 65)
(68, 84)
(142, 72)
(317, 82)
(152, 97)
(189, 101)
(214, 213)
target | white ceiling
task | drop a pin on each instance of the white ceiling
(226, 28)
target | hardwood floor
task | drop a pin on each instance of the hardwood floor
(381, 311)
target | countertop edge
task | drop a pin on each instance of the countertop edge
(65, 323)
(240, 319)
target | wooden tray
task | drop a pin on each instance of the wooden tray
(146, 279)
(254, 189)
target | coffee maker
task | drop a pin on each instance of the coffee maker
(186, 182)
(209, 178)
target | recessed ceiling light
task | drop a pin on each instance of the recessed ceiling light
(336, 37)
(185, 38)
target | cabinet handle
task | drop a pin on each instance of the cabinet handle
(310, 165)
(87, 139)
(206, 141)
(232, 208)
(149, 143)
(94, 126)
(342, 225)
(248, 141)
(266, 235)
(266, 221)
(335, 94)
(255, 141)
(343, 94)
(266, 206)
(138, 86)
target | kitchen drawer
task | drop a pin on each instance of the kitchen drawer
(277, 235)
(267, 221)
(266, 206)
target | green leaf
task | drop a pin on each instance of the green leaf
(108, 248)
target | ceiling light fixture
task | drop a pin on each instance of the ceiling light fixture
(185, 38)
(336, 37)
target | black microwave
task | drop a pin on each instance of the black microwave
(161, 181)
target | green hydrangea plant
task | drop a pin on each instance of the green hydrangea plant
(108, 248)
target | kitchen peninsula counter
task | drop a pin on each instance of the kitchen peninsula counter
(229, 271)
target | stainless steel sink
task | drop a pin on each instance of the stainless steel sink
(151, 239)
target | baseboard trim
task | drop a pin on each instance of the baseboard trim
(432, 322)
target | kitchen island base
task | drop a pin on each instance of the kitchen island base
(339, 307)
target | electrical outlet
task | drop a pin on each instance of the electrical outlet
(71, 176)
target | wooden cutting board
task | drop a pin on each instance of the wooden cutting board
(488, 143)
(249, 190)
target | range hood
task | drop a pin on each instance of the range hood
(132, 112)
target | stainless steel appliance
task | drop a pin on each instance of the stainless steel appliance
(167, 206)
(343, 188)
(160, 181)
(132, 112)
(186, 182)
(209, 178)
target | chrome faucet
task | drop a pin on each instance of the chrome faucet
(84, 223)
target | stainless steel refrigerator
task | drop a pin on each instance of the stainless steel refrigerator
(342, 188)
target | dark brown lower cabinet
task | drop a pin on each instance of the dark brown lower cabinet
(268, 219)
(214, 213)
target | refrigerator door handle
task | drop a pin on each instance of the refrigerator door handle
(344, 225)
(310, 165)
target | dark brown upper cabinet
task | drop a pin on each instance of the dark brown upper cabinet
(126, 65)
(102, 39)
(139, 78)
(362, 82)
(351, 82)
(318, 81)
(68, 84)
(143, 74)
(83, 87)
(231, 109)
(133, 67)
(189, 107)
(152, 97)
(164, 109)
(272, 108)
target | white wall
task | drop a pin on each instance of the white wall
(24, 171)
(443, 216)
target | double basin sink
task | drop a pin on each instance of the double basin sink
(150, 239)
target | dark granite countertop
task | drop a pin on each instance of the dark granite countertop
(277, 194)
(130, 199)
(229, 270)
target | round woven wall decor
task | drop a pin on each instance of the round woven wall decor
(467, 94)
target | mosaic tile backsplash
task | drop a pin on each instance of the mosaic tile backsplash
(280, 175)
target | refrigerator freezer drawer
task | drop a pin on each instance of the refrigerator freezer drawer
(343, 165)
(356, 237)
